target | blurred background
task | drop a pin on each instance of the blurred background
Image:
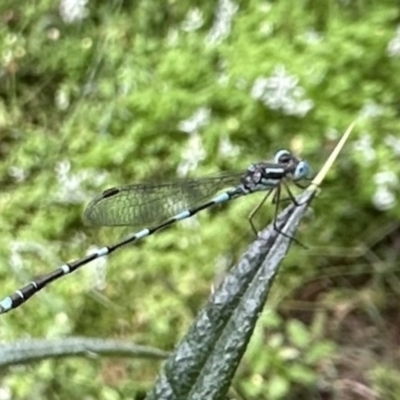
(95, 94)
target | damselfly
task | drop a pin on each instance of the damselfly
(143, 204)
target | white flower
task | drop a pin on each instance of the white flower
(393, 48)
(364, 146)
(383, 199)
(193, 21)
(394, 143)
(199, 119)
(70, 190)
(192, 155)
(281, 92)
(370, 109)
(73, 10)
(386, 178)
(226, 148)
(221, 28)
(386, 183)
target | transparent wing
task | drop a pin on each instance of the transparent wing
(143, 204)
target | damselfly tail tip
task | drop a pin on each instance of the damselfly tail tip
(5, 305)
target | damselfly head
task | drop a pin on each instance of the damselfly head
(297, 168)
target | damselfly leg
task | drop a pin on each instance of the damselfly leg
(277, 201)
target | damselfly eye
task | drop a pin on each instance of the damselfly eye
(302, 171)
(283, 157)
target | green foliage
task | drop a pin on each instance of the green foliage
(385, 381)
(287, 363)
(99, 102)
